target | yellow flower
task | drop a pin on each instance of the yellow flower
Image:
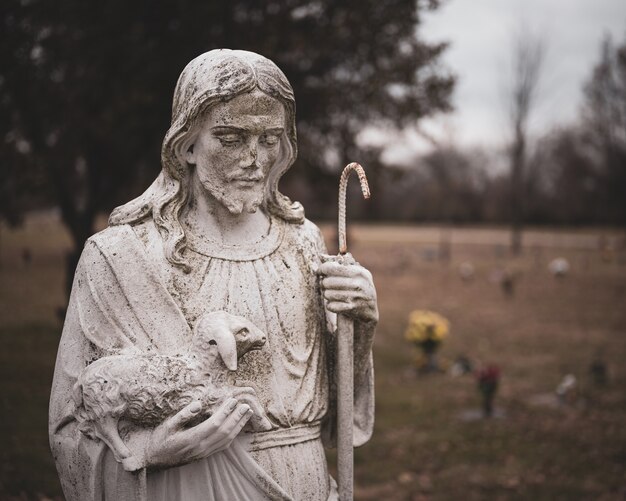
(426, 325)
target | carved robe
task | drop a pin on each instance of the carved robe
(127, 297)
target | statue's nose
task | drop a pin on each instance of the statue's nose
(249, 157)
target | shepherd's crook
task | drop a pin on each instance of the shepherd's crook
(345, 354)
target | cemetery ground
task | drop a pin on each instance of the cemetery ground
(421, 449)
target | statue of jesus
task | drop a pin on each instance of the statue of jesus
(213, 233)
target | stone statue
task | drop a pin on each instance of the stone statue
(197, 358)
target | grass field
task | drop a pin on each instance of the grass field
(422, 449)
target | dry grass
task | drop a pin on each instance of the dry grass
(420, 449)
(548, 328)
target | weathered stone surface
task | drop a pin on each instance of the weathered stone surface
(198, 354)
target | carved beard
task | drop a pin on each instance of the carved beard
(235, 198)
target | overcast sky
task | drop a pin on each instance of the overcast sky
(481, 34)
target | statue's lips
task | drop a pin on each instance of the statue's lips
(247, 181)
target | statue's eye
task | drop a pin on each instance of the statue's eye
(229, 139)
(243, 331)
(269, 139)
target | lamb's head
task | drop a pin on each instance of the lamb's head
(228, 335)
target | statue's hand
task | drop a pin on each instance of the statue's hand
(348, 288)
(172, 443)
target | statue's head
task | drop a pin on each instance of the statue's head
(212, 79)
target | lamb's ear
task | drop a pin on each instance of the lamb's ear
(226, 346)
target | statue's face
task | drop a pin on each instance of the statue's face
(237, 145)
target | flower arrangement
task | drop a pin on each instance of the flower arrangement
(427, 330)
(488, 378)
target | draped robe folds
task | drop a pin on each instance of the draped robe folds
(128, 298)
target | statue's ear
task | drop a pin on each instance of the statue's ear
(190, 156)
(226, 346)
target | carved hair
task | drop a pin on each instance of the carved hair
(213, 77)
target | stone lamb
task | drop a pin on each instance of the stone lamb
(144, 389)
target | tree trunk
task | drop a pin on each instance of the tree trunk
(517, 191)
(81, 228)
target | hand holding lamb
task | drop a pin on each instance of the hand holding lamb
(151, 389)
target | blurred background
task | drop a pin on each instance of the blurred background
(493, 134)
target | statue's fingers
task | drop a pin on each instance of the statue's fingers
(221, 437)
(340, 306)
(185, 415)
(343, 295)
(233, 426)
(346, 258)
(253, 402)
(327, 257)
(346, 283)
(335, 269)
(219, 421)
(223, 412)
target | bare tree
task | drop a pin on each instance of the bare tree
(526, 62)
(604, 122)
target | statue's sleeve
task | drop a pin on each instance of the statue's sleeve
(86, 467)
(363, 375)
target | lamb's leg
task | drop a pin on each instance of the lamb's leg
(107, 431)
(247, 395)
